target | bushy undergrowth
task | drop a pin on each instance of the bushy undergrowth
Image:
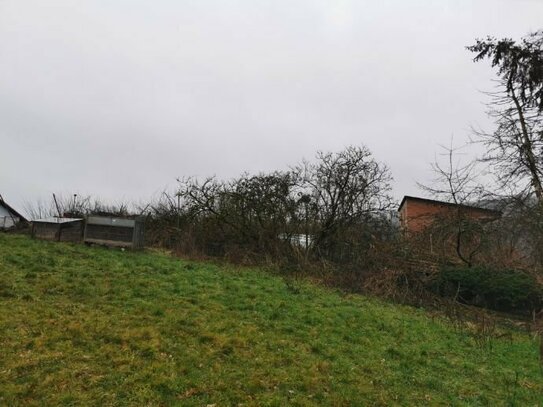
(502, 290)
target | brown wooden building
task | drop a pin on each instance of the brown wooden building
(416, 214)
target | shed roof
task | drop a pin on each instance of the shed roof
(110, 221)
(54, 219)
(444, 203)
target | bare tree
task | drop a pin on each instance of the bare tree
(252, 211)
(346, 188)
(457, 183)
(515, 148)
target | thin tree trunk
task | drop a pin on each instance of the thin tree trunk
(528, 149)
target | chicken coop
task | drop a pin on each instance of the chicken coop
(58, 229)
(115, 232)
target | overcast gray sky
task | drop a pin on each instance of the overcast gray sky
(117, 98)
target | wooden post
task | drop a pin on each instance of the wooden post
(56, 204)
(178, 209)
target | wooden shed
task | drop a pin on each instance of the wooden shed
(117, 232)
(416, 214)
(58, 229)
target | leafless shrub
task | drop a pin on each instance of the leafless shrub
(323, 210)
(74, 205)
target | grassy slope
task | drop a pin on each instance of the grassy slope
(95, 326)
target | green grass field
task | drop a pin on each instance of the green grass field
(92, 326)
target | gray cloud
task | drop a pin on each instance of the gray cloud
(118, 98)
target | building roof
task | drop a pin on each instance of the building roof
(9, 208)
(54, 219)
(444, 203)
(110, 221)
